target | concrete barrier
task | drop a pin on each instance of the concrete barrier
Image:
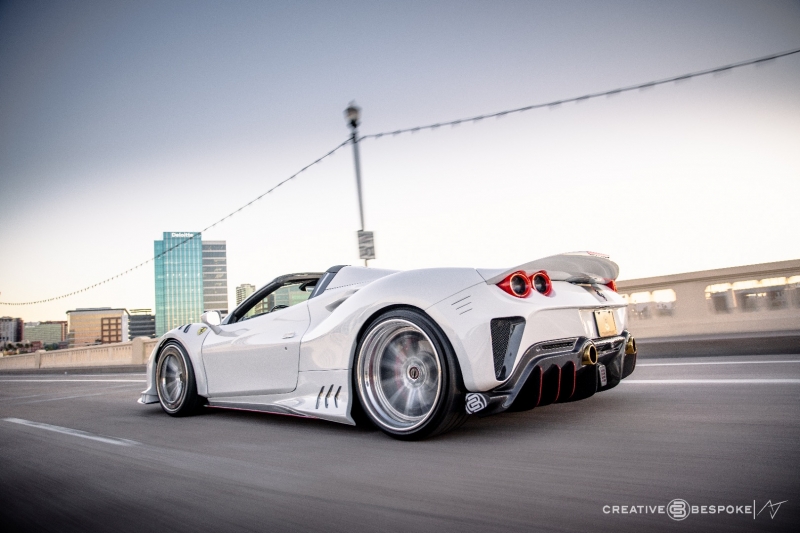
(135, 352)
(773, 343)
(18, 362)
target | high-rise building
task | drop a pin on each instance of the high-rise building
(141, 323)
(50, 332)
(11, 330)
(243, 291)
(215, 277)
(100, 325)
(179, 280)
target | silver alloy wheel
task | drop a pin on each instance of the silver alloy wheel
(399, 375)
(171, 379)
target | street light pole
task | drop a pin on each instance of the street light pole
(354, 141)
(366, 243)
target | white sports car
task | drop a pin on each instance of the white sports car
(414, 352)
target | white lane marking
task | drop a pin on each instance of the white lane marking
(63, 398)
(73, 432)
(720, 363)
(73, 380)
(20, 397)
(711, 381)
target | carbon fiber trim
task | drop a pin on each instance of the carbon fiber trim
(506, 337)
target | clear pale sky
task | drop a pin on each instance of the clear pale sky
(119, 121)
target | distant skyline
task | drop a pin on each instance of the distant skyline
(121, 121)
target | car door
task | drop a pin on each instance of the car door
(259, 355)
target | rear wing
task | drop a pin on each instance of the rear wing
(576, 267)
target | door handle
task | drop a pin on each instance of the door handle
(288, 335)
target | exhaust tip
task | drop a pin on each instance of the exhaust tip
(589, 355)
(630, 346)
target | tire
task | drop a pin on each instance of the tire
(175, 382)
(407, 376)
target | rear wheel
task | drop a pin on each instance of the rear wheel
(175, 383)
(407, 376)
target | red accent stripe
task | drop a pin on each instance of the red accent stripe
(259, 411)
(558, 387)
(541, 376)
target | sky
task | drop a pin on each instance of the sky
(120, 121)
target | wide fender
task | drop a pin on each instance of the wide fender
(191, 337)
(331, 340)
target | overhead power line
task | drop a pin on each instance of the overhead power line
(184, 241)
(611, 92)
(431, 127)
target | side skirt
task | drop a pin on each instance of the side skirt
(321, 394)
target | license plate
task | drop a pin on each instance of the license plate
(606, 325)
(601, 370)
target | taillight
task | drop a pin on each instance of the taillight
(516, 284)
(541, 282)
(612, 285)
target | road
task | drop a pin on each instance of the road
(79, 454)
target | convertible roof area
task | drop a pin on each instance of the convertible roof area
(273, 285)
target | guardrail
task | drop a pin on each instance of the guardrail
(135, 352)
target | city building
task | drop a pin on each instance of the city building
(141, 323)
(50, 332)
(179, 280)
(215, 277)
(11, 330)
(101, 325)
(243, 291)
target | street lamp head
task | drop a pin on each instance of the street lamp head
(352, 114)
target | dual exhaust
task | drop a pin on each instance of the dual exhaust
(589, 355)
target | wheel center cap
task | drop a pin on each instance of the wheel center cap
(413, 373)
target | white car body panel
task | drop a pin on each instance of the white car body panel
(292, 360)
(329, 341)
(259, 357)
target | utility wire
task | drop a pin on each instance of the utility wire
(181, 243)
(477, 118)
(554, 103)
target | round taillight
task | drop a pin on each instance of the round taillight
(516, 284)
(541, 282)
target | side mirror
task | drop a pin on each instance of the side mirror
(212, 319)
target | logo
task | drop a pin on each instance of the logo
(773, 507)
(678, 509)
(182, 235)
(600, 294)
(201, 330)
(475, 402)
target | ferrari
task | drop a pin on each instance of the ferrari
(413, 352)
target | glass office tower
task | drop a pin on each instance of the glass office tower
(179, 280)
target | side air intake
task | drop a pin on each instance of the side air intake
(506, 337)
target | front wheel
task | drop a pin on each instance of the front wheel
(407, 376)
(175, 383)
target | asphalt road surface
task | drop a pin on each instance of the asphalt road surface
(79, 454)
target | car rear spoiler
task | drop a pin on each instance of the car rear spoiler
(576, 267)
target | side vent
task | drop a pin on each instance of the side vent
(322, 396)
(463, 305)
(506, 337)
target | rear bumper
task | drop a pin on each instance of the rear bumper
(553, 371)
